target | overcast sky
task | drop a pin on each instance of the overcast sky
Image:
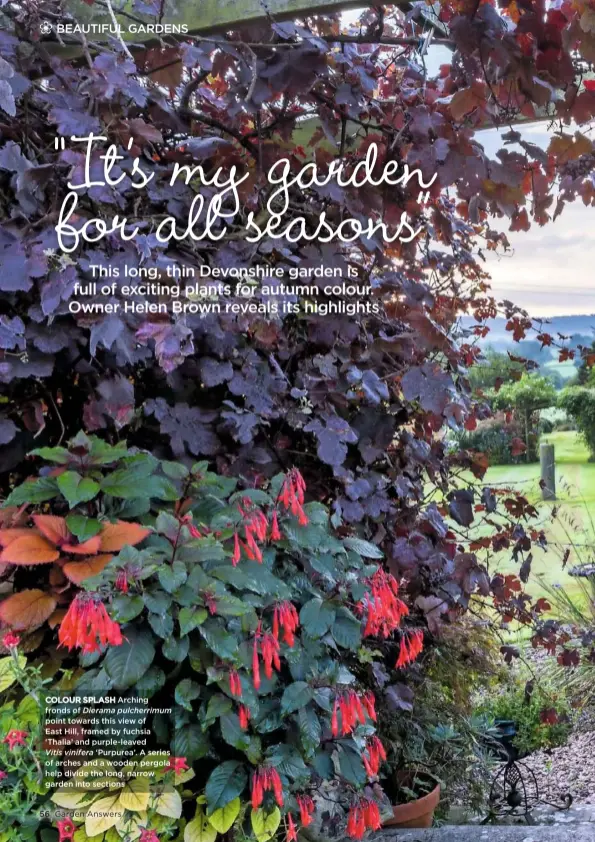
(550, 270)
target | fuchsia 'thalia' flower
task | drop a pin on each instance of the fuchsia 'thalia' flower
(306, 806)
(291, 829)
(148, 836)
(264, 779)
(88, 626)
(412, 644)
(353, 709)
(363, 815)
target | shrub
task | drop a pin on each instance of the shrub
(495, 438)
(428, 724)
(542, 716)
(243, 606)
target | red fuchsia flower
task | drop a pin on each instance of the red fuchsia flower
(265, 779)
(373, 756)
(15, 738)
(256, 662)
(275, 534)
(122, 581)
(236, 550)
(210, 602)
(291, 829)
(286, 616)
(11, 640)
(255, 530)
(363, 815)
(148, 836)
(412, 644)
(306, 806)
(3, 775)
(383, 608)
(66, 829)
(353, 710)
(269, 649)
(176, 765)
(292, 495)
(235, 685)
(194, 531)
(244, 715)
(88, 626)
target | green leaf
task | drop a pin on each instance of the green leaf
(351, 766)
(199, 829)
(218, 705)
(233, 734)
(363, 548)
(52, 454)
(222, 643)
(152, 681)
(287, 761)
(317, 616)
(158, 601)
(161, 489)
(37, 491)
(83, 527)
(310, 729)
(264, 824)
(128, 482)
(190, 742)
(127, 663)
(296, 696)
(125, 608)
(135, 794)
(186, 691)
(77, 489)
(191, 618)
(223, 818)
(176, 649)
(225, 783)
(172, 576)
(8, 676)
(232, 606)
(174, 470)
(346, 629)
(162, 625)
(168, 804)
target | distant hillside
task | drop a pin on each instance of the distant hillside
(575, 326)
(579, 329)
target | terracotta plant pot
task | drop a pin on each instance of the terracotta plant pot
(418, 813)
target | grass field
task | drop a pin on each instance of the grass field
(574, 524)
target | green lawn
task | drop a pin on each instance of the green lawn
(574, 523)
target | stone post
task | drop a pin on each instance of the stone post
(548, 471)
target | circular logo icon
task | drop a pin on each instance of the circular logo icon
(45, 27)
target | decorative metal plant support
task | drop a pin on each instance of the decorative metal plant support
(515, 791)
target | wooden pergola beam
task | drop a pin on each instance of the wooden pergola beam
(214, 15)
(207, 17)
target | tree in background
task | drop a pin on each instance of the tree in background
(493, 370)
(579, 402)
(525, 398)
